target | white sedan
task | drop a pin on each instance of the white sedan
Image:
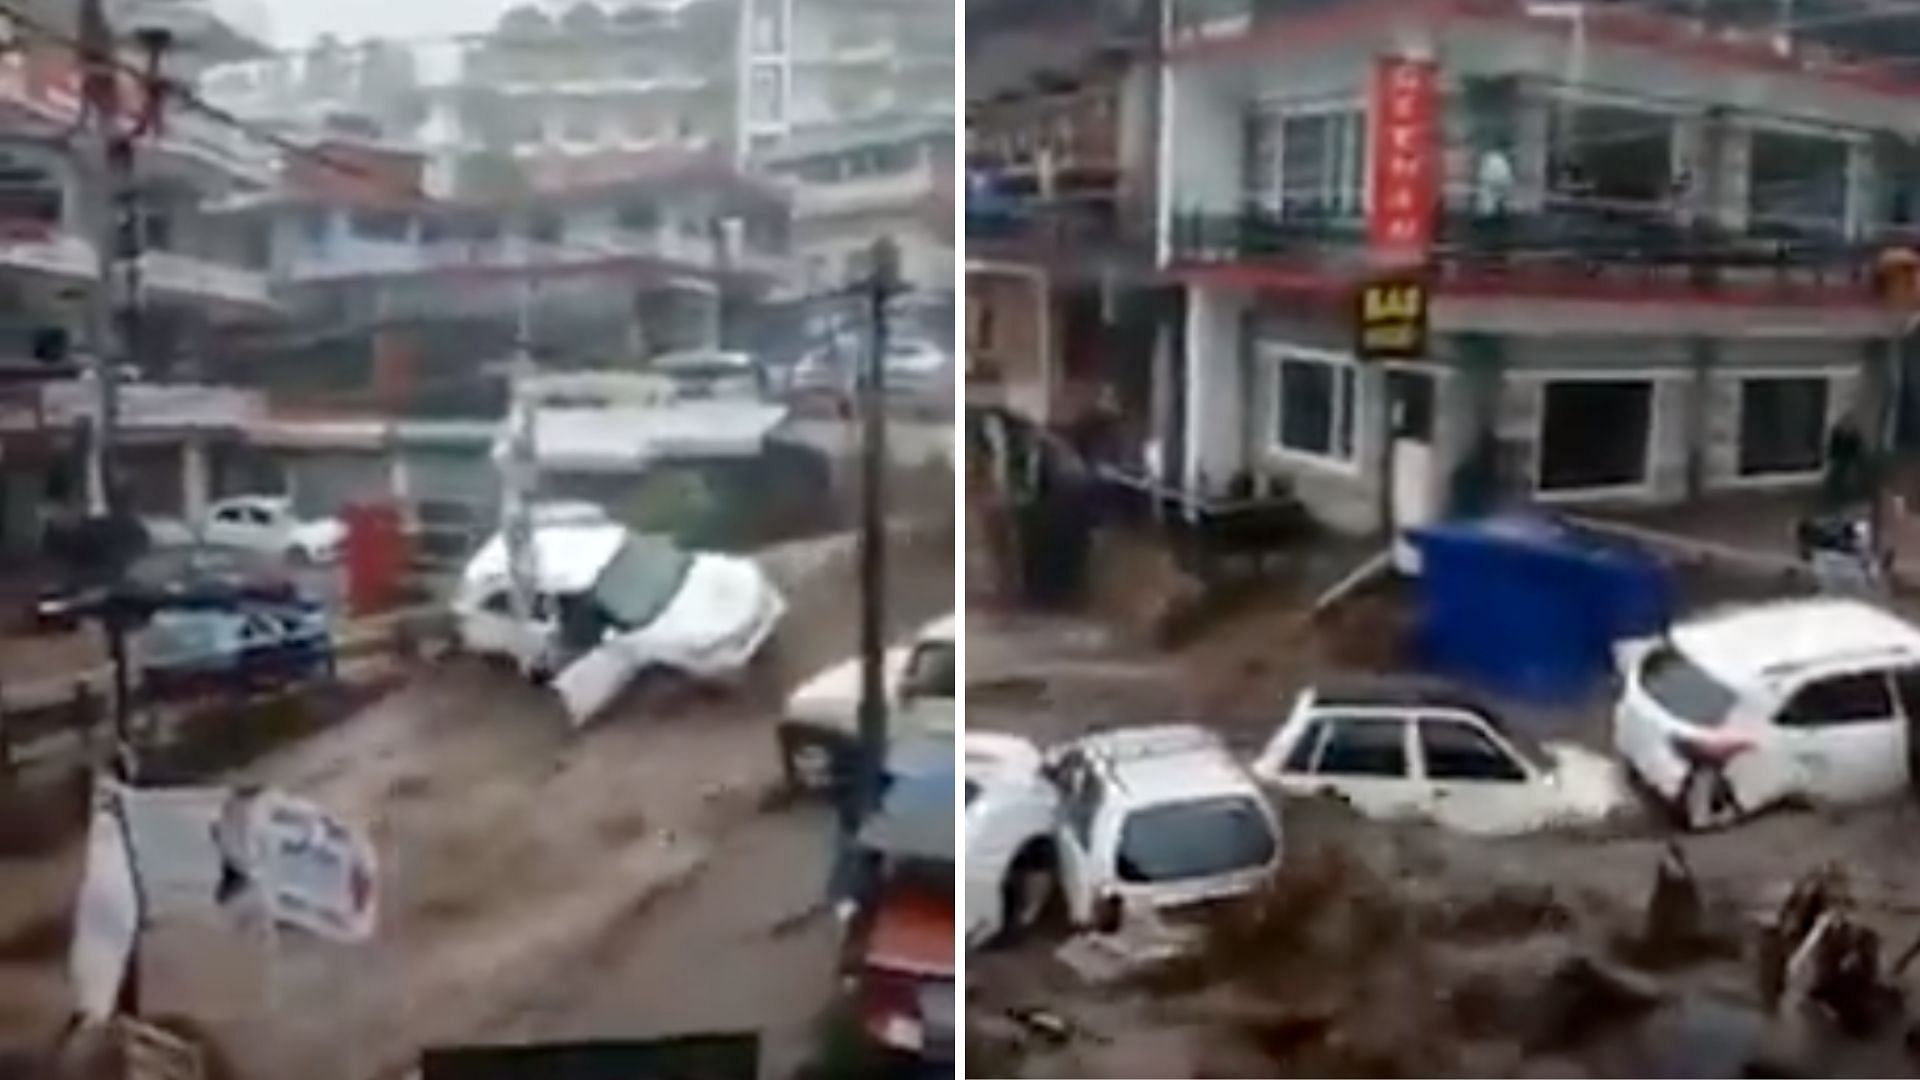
(267, 524)
(1740, 710)
(1407, 749)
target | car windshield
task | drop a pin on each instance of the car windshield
(1197, 839)
(930, 671)
(186, 637)
(1685, 689)
(641, 581)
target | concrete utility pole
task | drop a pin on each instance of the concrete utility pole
(883, 283)
(520, 469)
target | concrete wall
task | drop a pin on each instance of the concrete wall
(1215, 394)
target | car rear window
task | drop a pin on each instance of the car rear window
(1197, 839)
(1685, 689)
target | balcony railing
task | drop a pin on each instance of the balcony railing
(1552, 245)
(1090, 225)
(511, 254)
(166, 274)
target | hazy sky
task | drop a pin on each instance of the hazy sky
(298, 22)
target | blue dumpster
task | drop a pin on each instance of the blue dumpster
(1527, 608)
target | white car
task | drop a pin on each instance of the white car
(1400, 748)
(1740, 710)
(1012, 812)
(267, 524)
(609, 603)
(1160, 818)
(820, 725)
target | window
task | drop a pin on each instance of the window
(1843, 699)
(1365, 748)
(1300, 758)
(1199, 839)
(1783, 425)
(769, 29)
(314, 225)
(638, 216)
(930, 672)
(546, 227)
(1314, 410)
(380, 225)
(1306, 164)
(1796, 184)
(1459, 751)
(766, 103)
(1601, 155)
(1684, 689)
(1593, 434)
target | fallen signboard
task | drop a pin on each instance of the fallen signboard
(315, 872)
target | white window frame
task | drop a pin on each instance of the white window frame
(1643, 489)
(1848, 138)
(1279, 112)
(1273, 357)
(1739, 378)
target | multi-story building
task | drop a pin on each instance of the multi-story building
(1646, 244)
(853, 184)
(197, 281)
(599, 79)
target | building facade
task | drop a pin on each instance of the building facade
(1648, 247)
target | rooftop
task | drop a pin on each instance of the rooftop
(1167, 763)
(1765, 642)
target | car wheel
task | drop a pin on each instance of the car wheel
(810, 761)
(1030, 895)
(1707, 800)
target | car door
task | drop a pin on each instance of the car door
(1081, 797)
(1843, 736)
(1474, 782)
(1364, 759)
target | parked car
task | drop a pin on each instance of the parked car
(897, 952)
(819, 731)
(171, 572)
(609, 603)
(1736, 711)
(1159, 817)
(1012, 811)
(249, 647)
(267, 523)
(1399, 748)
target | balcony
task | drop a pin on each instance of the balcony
(167, 276)
(516, 256)
(60, 406)
(1569, 251)
(1090, 229)
(864, 194)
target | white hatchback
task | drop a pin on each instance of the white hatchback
(1416, 749)
(1740, 710)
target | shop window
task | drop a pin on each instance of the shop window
(1608, 158)
(1314, 408)
(1783, 425)
(1594, 434)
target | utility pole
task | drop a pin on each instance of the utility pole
(882, 284)
(520, 469)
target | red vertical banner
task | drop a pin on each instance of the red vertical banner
(1403, 182)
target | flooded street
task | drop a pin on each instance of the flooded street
(1402, 949)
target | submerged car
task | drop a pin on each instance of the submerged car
(608, 603)
(820, 728)
(184, 653)
(1406, 748)
(1012, 810)
(1804, 699)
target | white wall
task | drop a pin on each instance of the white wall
(1215, 397)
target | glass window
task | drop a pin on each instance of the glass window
(1198, 839)
(930, 672)
(767, 104)
(641, 581)
(1300, 758)
(380, 225)
(1365, 748)
(1844, 699)
(1685, 689)
(1306, 165)
(1796, 184)
(1783, 425)
(1315, 407)
(1594, 434)
(1458, 751)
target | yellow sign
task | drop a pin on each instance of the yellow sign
(1391, 320)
